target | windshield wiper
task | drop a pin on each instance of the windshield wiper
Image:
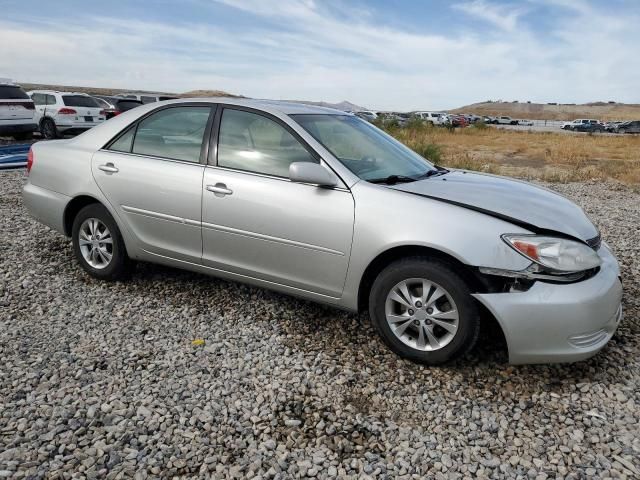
(392, 179)
(433, 173)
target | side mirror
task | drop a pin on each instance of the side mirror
(314, 173)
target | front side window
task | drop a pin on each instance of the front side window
(174, 133)
(255, 143)
(362, 148)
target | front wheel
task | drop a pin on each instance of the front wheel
(98, 244)
(423, 310)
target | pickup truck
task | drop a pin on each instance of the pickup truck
(506, 121)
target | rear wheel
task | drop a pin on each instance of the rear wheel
(98, 244)
(423, 310)
(48, 129)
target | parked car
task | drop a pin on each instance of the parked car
(629, 127)
(17, 111)
(346, 215)
(148, 97)
(504, 120)
(367, 115)
(612, 127)
(590, 127)
(579, 122)
(64, 113)
(525, 123)
(456, 120)
(117, 105)
(434, 118)
(489, 120)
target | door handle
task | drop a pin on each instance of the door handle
(219, 189)
(109, 168)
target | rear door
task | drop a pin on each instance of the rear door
(152, 176)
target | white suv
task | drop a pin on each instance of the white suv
(60, 113)
(436, 118)
(16, 111)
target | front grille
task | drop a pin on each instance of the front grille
(595, 242)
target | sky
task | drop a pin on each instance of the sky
(380, 54)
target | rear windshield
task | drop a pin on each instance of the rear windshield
(79, 101)
(12, 92)
(125, 105)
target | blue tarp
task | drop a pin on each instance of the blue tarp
(14, 156)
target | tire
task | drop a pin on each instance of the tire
(48, 129)
(118, 265)
(23, 136)
(409, 345)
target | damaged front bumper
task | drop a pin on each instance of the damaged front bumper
(553, 323)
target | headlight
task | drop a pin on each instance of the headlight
(556, 254)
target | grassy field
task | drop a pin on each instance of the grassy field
(533, 155)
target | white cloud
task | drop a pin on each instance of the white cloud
(326, 51)
(502, 16)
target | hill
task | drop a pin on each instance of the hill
(119, 91)
(541, 111)
(345, 106)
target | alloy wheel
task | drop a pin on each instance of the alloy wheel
(422, 314)
(96, 243)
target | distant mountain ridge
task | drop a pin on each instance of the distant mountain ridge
(554, 111)
(345, 106)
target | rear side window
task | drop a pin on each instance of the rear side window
(255, 143)
(79, 101)
(50, 99)
(38, 98)
(146, 99)
(124, 142)
(174, 133)
(12, 92)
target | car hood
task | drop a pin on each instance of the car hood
(521, 203)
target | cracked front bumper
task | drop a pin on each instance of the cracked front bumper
(553, 323)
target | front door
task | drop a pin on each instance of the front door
(152, 176)
(257, 223)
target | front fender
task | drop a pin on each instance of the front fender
(387, 218)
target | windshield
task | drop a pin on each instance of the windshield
(365, 150)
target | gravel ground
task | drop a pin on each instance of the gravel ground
(102, 380)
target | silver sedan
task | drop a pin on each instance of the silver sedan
(320, 204)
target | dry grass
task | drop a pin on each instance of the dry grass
(534, 155)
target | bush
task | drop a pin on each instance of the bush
(480, 125)
(430, 151)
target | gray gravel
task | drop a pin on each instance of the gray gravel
(102, 380)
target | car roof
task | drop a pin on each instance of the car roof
(59, 92)
(270, 106)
